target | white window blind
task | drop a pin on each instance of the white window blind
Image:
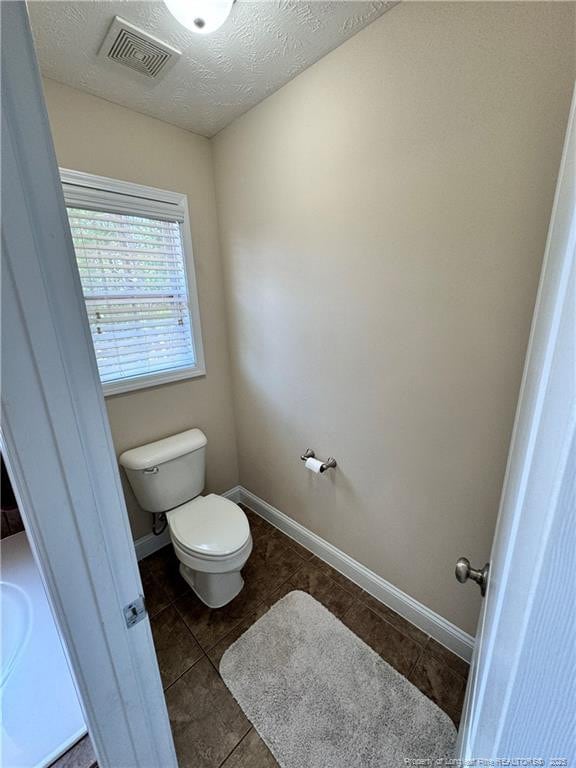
(133, 274)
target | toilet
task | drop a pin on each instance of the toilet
(210, 534)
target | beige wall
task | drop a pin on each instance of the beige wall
(95, 136)
(382, 220)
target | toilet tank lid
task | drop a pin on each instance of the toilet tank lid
(161, 451)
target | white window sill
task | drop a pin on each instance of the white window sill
(112, 388)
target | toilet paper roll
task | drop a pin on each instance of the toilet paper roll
(313, 465)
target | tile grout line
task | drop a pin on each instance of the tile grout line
(360, 599)
(418, 658)
(236, 626)
(404, 634)
(240, 742)
(186, 671)
(231, 629)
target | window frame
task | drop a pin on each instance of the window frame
(85, 190)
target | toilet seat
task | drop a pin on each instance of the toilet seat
(209, 527)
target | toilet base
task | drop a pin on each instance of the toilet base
(214, 589)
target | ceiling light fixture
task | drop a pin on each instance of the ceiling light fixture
(201, 16)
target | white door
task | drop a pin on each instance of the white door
(56, 437)
(521, 697)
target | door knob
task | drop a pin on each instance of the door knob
(464, 572)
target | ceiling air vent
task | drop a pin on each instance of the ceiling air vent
(134, 48)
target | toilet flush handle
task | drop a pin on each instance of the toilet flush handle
(151, 470)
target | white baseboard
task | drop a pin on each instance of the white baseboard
(441, 630)
(147, 545)
(234, 494)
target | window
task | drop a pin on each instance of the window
(134, 256)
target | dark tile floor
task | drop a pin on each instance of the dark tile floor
(210, 730)
(81, 755)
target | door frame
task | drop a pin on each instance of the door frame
(56, 437)
(517, 528)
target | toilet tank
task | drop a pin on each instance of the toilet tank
(168, 472)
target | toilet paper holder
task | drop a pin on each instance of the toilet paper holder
(330, 463)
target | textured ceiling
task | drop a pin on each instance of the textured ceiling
(263, 45)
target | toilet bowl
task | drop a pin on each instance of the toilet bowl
(211, 539)
(210, 534)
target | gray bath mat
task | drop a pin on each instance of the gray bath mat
(321, 698)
